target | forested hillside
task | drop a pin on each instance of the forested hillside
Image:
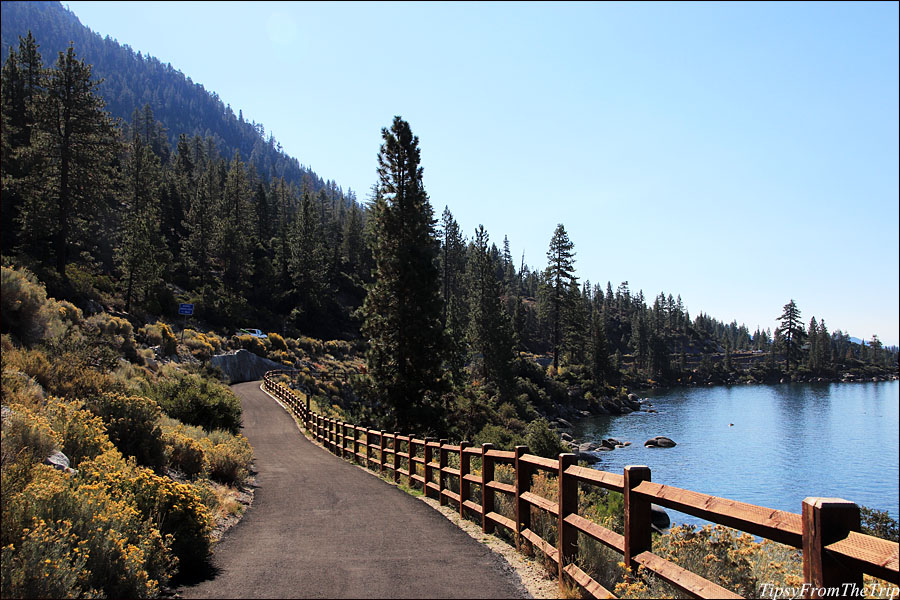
(132, 80)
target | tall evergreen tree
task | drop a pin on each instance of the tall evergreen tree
(813, 356)
(307, 262)
(197, 248)
(235, 228)
(22, 85)
(490, 331)
(560, 274)
(599, 349)
(77, 145)
(790, 333)
(402, 309)
(453, 291)
(141, 254)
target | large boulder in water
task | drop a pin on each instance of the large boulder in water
(243, 365)
(659, 518)
(659, 442)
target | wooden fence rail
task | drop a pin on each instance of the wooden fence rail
(835, 554)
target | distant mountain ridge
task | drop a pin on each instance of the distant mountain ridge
(132, 80)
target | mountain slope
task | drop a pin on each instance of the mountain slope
(132, 80)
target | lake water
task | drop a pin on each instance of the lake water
(770, 445)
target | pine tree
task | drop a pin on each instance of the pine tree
(823, 346)
(77, 144)
(141, 254)
(197, 248)
(22, 85)
(454, 317)
(490, 332)
(402, 309)
(813, 356)
(235, 228)
(599, 349)
(307, 262)
(575, 325)
(790, 333)
(558, 276)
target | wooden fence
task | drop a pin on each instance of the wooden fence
(827, 530)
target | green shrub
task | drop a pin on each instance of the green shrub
(195, 400)
(501, 437)
(878, 523)
(115, 331)
(228, 457)
(543, 441)
(132, 424)
(337, 347)
(311, 346)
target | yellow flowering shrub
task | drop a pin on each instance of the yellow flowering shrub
(252, 344)
(277, 342)
(199, 344)
(159, 334)
(175, 509)
(96, 545)
(225, 457)
(183, 453)
(26, 436)
(83, 433)
(117, 331)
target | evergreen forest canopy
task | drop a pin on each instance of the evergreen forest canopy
(116, 214)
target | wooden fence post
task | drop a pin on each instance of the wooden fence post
(442, 463)
(381, 447)
(428, 469)
(342, 439)
(464, 486)
(369, 434)
(487, 495)
(412, 464)
(396, 457)
(637, 515)
(567, 536)
(523, 508)
(825, 521)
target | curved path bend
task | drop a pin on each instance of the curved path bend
(320, 527)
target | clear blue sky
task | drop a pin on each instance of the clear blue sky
(740, 155)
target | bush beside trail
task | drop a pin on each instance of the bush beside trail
(136, 503)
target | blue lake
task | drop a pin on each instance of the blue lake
(768, 445)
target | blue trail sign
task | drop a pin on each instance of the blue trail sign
(185, 309)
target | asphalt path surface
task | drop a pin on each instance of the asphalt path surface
(320, 527)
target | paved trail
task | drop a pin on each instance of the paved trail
(320, 527)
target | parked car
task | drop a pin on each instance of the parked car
(254, 332)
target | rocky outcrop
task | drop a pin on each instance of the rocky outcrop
(659, 442)
(243, 365)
